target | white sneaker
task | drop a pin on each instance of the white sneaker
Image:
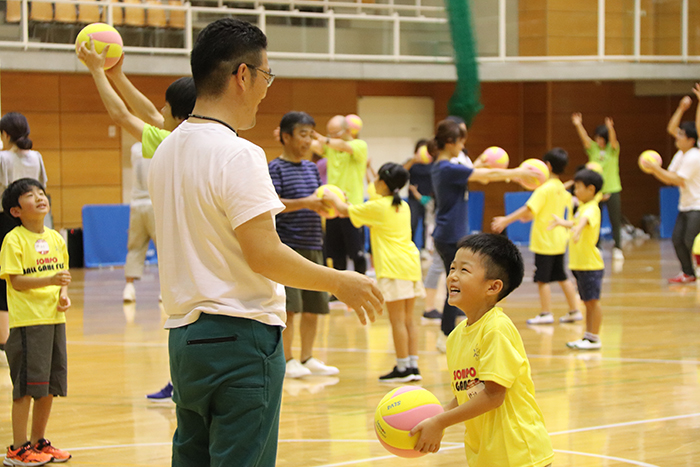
(542, 318)
(617, 254)
(584, 344)
(571, 317)
(441, 344)
(318, 368)
(129, 294)
(296, 370)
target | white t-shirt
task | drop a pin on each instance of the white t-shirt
(687, 166)
(139, 183)
(205, 182)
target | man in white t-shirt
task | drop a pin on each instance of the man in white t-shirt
(684, 172)
(222, 265)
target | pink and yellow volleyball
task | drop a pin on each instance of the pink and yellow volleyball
(354, 124)
(331, 212)
(649, 157)
(396, 415)
(495, 158)
(539, 174)
(102, 34)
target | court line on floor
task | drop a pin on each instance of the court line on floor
(622, 424)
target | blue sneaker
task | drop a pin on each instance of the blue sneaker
(164, 395)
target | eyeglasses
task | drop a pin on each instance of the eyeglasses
(269, 77)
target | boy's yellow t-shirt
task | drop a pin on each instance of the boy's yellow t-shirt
(513, 434)
(394, 254)
(550, 198)
(151, 137)
(33, 255)
(584, 255)
(347, 171)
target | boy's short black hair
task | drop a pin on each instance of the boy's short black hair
(558, 158)
(500, 257)
(11, 195)
(219, 51)
(690, 130)
(589, 177)
(602, 131)
(181, 95)
(291, 120)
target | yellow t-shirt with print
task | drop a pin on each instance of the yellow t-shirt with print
(347, 171)
(584, 255)
(394, 254)
(550, 198)
(151, 137)
(513, 434)
(33, 255)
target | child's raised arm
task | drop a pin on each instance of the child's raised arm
(675, 120)
(577, 120)
(498, 224)
(432, 430)
(498, 175)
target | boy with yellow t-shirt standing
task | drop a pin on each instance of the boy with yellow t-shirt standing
(494, 395)
(549, 245)
(585, 260)
(34, 262)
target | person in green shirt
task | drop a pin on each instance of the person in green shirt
(604, 149)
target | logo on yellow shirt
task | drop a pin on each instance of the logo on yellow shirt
(42, 247)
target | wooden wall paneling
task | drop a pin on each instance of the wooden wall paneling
(393, 88)
(579, 96)
(44, 128)
(566, 45)
(325, 96)
(52, 163)
(153, 87)
(279, 99)
(93, 167)
(74, 198)
(82, 130)
(56, 194)
(78, 94)
(442, 92)
(29, 92)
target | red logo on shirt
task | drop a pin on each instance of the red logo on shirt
(464, 373)
(41, 246)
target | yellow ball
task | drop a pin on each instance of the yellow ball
(495, 158)
(595, 167)
(331, 212)
(354, 124)
(102, 34)
(396, 415)
(424, 155)
(539, 174)
(649, 157)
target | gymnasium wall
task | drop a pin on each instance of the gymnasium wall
(83, 154)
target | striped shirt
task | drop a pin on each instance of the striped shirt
(298, 229)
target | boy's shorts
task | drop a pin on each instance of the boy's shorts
(589, 284)
(549, 268)
(307, 301)
(399, 289)
(38, 360)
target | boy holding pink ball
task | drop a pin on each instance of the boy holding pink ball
(494, 395)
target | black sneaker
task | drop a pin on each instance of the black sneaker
(432, 314)
(416, 374)
(396, 376)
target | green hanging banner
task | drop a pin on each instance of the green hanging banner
(465, 100)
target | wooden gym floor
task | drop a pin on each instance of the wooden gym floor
(636, 402)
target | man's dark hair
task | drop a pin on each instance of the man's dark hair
(558, 159)
(220, 49)
(690, 130)
(11, 195)
(589, 177)
(181, 95)
(500, 257)
(602, 131)
(291, 120)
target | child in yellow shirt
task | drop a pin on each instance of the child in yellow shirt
(585, 260)
(494, 395)
(549, 246)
